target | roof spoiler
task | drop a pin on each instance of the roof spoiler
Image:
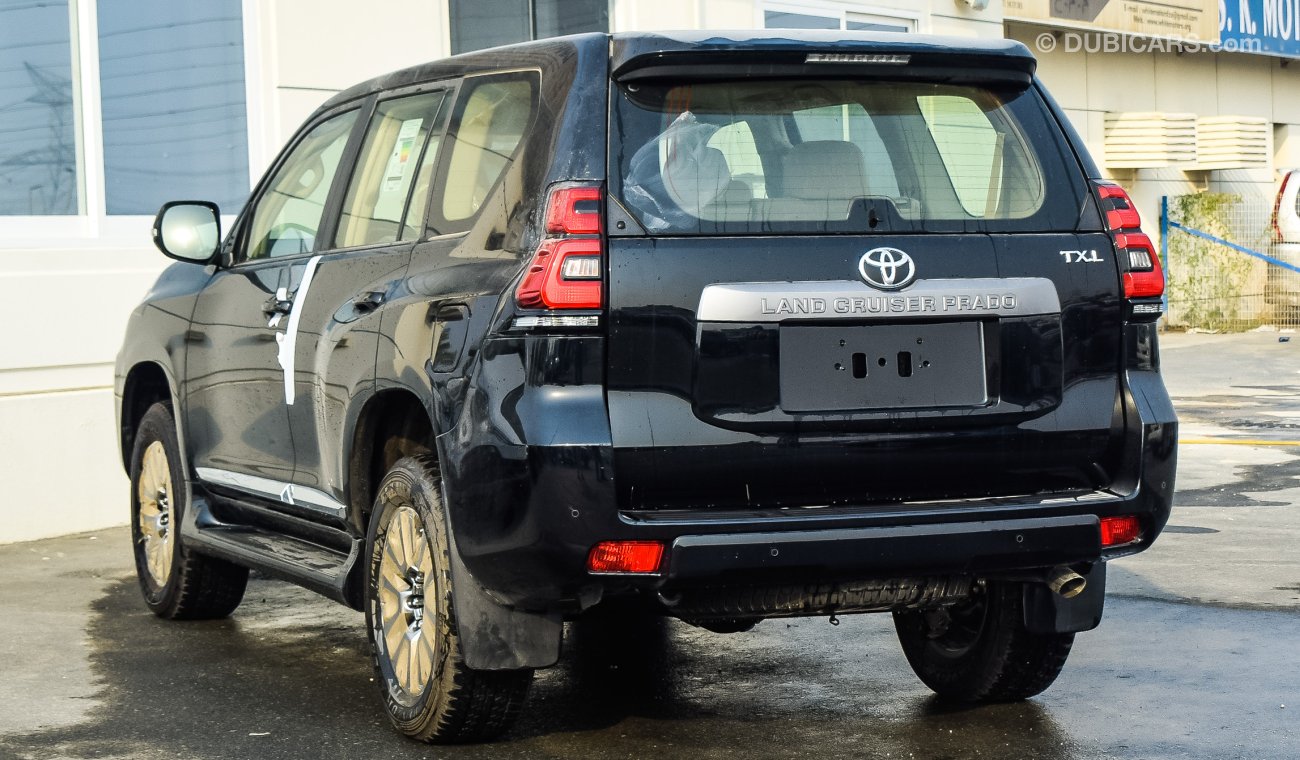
(949, 68)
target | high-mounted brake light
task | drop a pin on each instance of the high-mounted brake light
(1143, 277)
(1118, 531)
(625, 557)
(567, 270)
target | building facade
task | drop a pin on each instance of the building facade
(109, 107)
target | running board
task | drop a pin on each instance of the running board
(326, 570)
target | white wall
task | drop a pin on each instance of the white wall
(73, 283)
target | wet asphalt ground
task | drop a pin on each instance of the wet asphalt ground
(1198, 656)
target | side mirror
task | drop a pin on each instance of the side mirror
(188, 231)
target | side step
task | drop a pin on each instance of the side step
(328, 571)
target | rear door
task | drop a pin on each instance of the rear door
(847, 291)
(354, 275)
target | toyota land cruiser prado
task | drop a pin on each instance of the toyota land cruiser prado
(728, 326)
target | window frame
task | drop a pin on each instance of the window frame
(451, 94)
(236, 243)
(92, 227)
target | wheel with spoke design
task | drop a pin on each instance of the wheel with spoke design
(429, 692)
(177, 583)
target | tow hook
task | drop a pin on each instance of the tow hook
(1064, 581)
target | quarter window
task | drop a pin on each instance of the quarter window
(386, 172)
(493, 118)
(288, 215)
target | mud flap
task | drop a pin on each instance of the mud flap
(1046, 612)
(496, 637)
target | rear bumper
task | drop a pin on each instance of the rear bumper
(974, 548)
(530, 487)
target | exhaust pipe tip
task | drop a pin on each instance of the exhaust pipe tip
(1065, 582)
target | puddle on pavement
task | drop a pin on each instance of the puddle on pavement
(288, 676)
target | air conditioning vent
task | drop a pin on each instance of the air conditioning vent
(1233, 142)
(1150, 140)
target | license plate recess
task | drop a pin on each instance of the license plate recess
(898, 366)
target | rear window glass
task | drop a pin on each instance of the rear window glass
(838, 156)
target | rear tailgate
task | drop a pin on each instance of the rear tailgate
(813, 305)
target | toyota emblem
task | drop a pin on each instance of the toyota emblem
(887, 268)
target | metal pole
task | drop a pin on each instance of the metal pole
(1164, 249)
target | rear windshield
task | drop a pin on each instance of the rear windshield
(839, 156)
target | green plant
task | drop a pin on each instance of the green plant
(1206, 280)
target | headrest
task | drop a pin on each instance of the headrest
(824, 170)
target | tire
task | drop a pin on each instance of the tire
(980, 651)
(428, 691)
(177, 583)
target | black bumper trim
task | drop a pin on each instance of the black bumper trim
(965, 548)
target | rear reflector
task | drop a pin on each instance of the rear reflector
(1117, 531)
(625, 557)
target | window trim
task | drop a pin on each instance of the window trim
(92, 227)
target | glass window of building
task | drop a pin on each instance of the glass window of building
(478, 24)
(818, 17)
(39, 155)
(173, 103)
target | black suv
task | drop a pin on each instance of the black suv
(724, 327)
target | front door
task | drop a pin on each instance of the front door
(244, 330)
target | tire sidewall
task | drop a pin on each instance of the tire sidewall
(412, 483)
(157, 424)
(944, 670)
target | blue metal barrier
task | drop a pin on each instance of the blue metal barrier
(1167, 224)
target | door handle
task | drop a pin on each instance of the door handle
(277, 306)
(368, 302)
(280, 303)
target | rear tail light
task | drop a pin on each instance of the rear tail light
(567, 269)
(574, 210)
(625, 557)
(551, 282)
(1118, 531)
(1143, 277)
(1121, 214)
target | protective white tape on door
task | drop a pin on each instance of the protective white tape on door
(288, 340)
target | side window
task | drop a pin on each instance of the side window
(493, 116)
(375, 208)
(288, 214)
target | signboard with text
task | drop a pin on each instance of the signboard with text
(1271, 27)
(1182, 19)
